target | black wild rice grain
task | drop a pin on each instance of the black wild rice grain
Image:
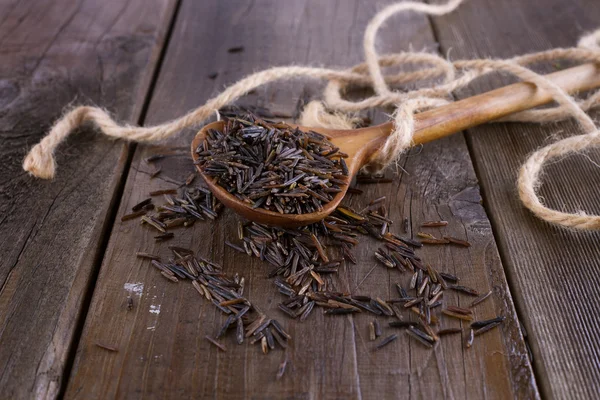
(457, 315)
(448, 277)
(281, 369)
(469, 340)
(213, 341)
(106, 347)
(421, 334)
(377, 328)
(133, 215)
(480, 324)
(190, 179)
(141, 204)
(448, 331)
(397, 312)
(418, 338)
(413, 302)
(425, 235)
(459, 310)
(156, 171)
(259, 337)
(235, 247)
(434, 224)
(480, 299)
(487, 328)
(164, 236)
(401, 290)
(386, 341)
(413, 281)
(281, 340)
(464, 289)
(456, 241)
(270, 339)
(225, 326)
(307, 311)
(434, 305)
(154, 223)
(354, 190)
(169, 277)
(147, 255)
(239, 331)
(337, 311)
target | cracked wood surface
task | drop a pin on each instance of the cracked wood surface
(52, 231)
(162, 351)
(553, 271)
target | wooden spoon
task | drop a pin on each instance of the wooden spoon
(362, 144)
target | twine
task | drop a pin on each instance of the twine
(450, 76)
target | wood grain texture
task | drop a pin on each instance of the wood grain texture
(53, 54)
(552, 270)
(162, 352)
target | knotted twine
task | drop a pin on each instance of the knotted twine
(454, 75)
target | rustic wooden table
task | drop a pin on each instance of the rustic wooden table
(67, 262)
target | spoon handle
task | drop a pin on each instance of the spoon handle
(498, 103)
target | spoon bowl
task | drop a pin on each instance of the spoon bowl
(362, 144)
(349, 140)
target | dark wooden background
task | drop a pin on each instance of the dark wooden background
(67, 262)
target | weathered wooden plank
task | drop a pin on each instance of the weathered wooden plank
(552, 270)
(162, 351)
(53, 54)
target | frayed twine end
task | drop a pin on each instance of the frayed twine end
(40, 163)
